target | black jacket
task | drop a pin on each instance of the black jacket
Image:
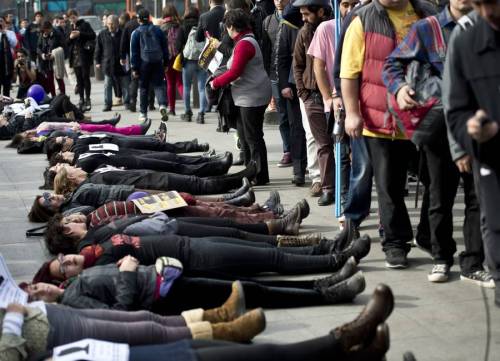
(107, 52)
(126, 36)
(45, 46)
(474, 83)
(85, 43)
(6, 59)
(30, 40)
(209, 22)
(288, 35)
(108, 288)
(95, 195)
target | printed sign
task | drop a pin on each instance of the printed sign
(160, 202)
(92, 350)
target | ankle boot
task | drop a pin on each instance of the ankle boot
(240, 160)
(273, 203)
(243, 329)
(377, 349)
(239, 192)
(298, 241)
(349, 269)
(233, 308)
(201, 330)
(287, 225)
(303, 206)
(358, 249)
(377, 310)
(346, 290)
(244, 200)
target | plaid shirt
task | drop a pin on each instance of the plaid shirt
(417, 45)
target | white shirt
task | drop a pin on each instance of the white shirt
(11, 37)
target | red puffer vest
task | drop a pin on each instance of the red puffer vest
(380, 41)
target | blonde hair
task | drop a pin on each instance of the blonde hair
(63, 183)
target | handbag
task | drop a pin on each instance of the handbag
(178, 63)
(424, 124)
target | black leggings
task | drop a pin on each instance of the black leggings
(193, 228)
(260, 228)
(212, 255)
(195, 292)
(82, 74)
(323, 348)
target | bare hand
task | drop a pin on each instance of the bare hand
(17, 308)
(98, 66)
(481, 133)
(463, 164)
(353, 125)
(212, 85)
(135, 75)
(123, 62)
(128, 264)
(337, 103)
(287, 93)
(74, 34)
(405, 99)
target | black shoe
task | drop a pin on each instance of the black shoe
(115, 120)
(187, 116)
(107, 108)
(200, 119)
(344, 238)
(239, 192)
(299, 181)
(88, 105)
(326, 199)
(396, 258)
(81, 105)
(245, 200)
(226, 162)
(273, 203)
(145, 126)
(132, 107)
(349, 269)
(358, 249)
(164, 114)
(152, 108)
(204, 147)
(345, 290)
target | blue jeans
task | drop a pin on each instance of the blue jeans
(284, 125)
(189, 69)
(359, 200)
(108, 88)
(152, 74)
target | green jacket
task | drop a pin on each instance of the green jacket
(33, 340)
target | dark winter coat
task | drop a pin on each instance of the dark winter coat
(84, 44)
(107, 52)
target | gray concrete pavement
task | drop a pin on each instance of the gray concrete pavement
(436, 321)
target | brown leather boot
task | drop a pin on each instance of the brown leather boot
(363, 328)
(287, 225)
(233, 308)
(243, 329)
(376, 350)
(299, 241)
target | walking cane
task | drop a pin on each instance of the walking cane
(338, 127)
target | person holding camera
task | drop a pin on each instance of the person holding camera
(25, 71)
(8, 42)
(48, 41)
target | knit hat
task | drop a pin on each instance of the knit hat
(43, 274)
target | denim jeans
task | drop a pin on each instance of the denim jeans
(189, 69)
(358, 203)
(152, 74)
(124, 82)
(284, 126)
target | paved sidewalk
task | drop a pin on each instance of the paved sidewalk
(435, 321)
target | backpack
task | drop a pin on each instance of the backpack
(171, 31)
(192, 50)
(151, 51)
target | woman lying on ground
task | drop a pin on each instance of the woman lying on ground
(364, 339)
(80, 144)
(65, 280)
(61, 239)
(201, 166)
(205, 255)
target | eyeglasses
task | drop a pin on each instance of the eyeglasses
(47, 197)
(62, 267)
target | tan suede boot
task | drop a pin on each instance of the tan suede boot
(233, 308)
(243, 329)
(299, 241)
(201, 330)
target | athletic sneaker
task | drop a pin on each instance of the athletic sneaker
(396, 258)
(439, 273)
(480, 278)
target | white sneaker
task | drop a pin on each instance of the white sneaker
(439, 273)
(142, 117)
(480, 278)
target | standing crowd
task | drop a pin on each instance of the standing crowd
(388, 89)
